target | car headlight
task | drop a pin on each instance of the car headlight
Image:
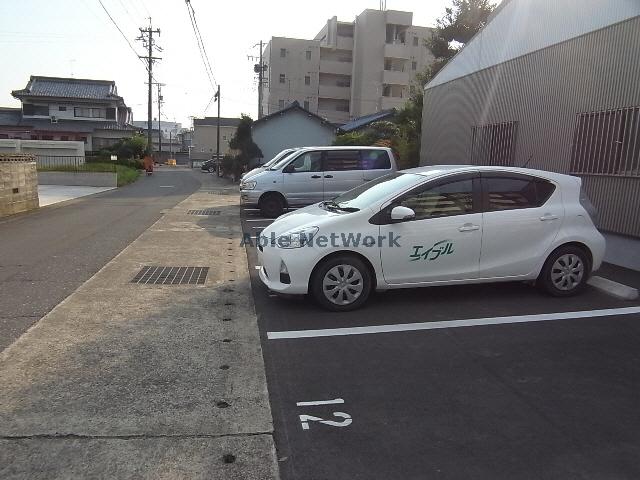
(248, 185)
(298, 238)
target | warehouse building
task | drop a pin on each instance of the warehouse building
(554, 85)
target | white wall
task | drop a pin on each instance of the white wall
(293, 129)
(43, 147)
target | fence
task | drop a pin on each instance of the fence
(73, 164)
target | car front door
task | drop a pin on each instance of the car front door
(302, 179)
(442, 242)
(342, 172)
(522, 216)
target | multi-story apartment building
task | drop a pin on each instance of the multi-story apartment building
(349, 69)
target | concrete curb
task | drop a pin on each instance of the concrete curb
(614, 289)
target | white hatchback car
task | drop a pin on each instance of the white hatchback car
(438, 225)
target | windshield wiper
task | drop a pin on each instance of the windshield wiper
(334, 206)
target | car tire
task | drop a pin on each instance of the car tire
(339, 278)
(565, 273)
(212, 169)
(271, 205)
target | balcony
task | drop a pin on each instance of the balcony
(334, 116)
(392, 102)
(396, 50)
(345, 43)
(334, 66)
(394, 77)
(333, 91)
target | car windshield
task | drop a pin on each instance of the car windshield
(282, 162)
(376, 190)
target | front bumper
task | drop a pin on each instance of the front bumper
(250, 197)
(299, 263)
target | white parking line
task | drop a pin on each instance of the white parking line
(258, 220)
(320, 402)
(470, 322)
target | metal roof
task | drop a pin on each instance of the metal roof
(365, 120)
(75, 88)
(213, 121)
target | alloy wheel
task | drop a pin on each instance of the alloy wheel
(567, 272)
(342, 284)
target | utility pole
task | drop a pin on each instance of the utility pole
(146, 36)
(160, 85)
(259, 69)
(218, 162)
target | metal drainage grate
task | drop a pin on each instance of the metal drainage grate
(206, 211)
(171, 275)
(220, 192)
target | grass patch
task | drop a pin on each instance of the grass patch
(126, 175)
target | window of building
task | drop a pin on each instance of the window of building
(62, 108)
(386, 90)
(414, 65)
(308, 54)
(86, 112)
(448, 199)
(111, 113)
(306, 104)
(30, 109)
(493, 144)
(283, 52)
(511, 193)
(342, 107)
(280, 104)
(307, 80)
(607, 143)
(282, 78)
(416, 41)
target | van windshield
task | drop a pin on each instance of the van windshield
(277, 158)
(282, 162)
(376, 190)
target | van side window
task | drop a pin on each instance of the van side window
(375, 160)
(340, 160)
(308, 162)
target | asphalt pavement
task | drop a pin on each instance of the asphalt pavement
(517, 399)
(46, 254)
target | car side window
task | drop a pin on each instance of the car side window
(375, 160)
(341, 160)
(308, 162)
(512, 193)
(446, 199)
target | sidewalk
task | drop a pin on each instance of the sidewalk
(127, 380)
(50, 194)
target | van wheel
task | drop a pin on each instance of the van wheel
(341, 283)
(212, 169)
(565, 273)
(271, 205)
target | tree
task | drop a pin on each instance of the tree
(133, 147)
(242, 142)
(455, 28)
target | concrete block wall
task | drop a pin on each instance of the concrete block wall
(18, 184)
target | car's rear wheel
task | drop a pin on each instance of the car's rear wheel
(341, 283)
(565, 272)
(271, 205)
(212, 169)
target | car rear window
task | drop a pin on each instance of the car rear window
(511, 193)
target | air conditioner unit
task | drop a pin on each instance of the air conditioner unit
(54, 119)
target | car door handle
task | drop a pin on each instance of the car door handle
(468, 227)
(328, 176)
(316, 176)
(548, 216)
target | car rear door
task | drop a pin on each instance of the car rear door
(522, 216)
(442, 242)
(342, 172)
(304, 185)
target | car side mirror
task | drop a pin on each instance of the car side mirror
(288, 169)
(399, 214)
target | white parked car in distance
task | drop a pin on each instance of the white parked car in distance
(312, 174)
(437, 225)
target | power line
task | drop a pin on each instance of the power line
(203, 51)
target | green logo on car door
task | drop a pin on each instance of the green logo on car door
(439, 249)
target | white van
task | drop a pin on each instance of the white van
(314, 174)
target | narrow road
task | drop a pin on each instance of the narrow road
(47, 254)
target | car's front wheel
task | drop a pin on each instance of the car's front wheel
(565, 272)
(341, 283)
(271, 205)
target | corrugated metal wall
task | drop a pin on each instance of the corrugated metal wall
(544, 92)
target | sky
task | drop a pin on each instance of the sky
(76, 38)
